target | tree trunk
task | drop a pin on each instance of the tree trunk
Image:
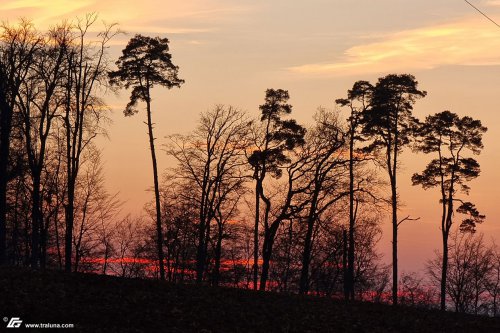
(306, 255)
(444, 272)
(288, 257)
(446, 227)
(5, 130)
(394, 201)
(58, 245)
(169, 260)
(205, 257)
(43, 247)
(200, 255)
(345, 268)
(106, 257)
(218, 253)
(267, 250)
(266, 258)
(394, 241)
(36, 221)
(68, 235)
(306, 259)
(159, 233)
(256, 238)
(351, 249)
(16, 253)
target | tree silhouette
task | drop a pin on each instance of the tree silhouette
(278, 137)
(210, 161)
(469, 271)
(358, 101)
(493, 284)
(84, 111)
(17, 49)
(390, 123)
(39, 107)
(144, 63)
(450, 137)
(324, 152)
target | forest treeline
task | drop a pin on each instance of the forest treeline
(254, 199)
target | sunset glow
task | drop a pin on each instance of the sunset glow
(230, 52)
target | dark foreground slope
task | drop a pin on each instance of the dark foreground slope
(108, 304)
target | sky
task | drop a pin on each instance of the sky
(231, 51)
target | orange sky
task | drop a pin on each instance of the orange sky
(230, 51)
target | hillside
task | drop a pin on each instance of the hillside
(108, 304)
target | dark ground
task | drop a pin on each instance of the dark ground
(108, 304)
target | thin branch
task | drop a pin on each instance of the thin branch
(408, 218)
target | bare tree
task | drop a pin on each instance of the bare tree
(95, 209)
(324, 149)
(415, 292)
(39, 104)
(211, 160)
(469, 266)
(53, 195)
(179, 216)
(493, 283)
(225, 214)
(18, 45)
(85, 113)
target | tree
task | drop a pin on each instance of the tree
(469, 269)
(129, 249)
(179, 214)
(17, 49)
(493, 284)
(210, 162)
(146, 62)
(53, 195)
(94, 211)
(84, 112)
(324, 151)
(226, 210)
(450, 138)
(274, 141)
(390, 123)
(53, 89)
(358, 99)
(415, 293)
(371, 275)
(39, 104)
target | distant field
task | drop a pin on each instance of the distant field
(96, 303)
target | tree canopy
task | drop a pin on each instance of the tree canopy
(144, 63)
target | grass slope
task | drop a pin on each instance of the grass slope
(108, 304)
